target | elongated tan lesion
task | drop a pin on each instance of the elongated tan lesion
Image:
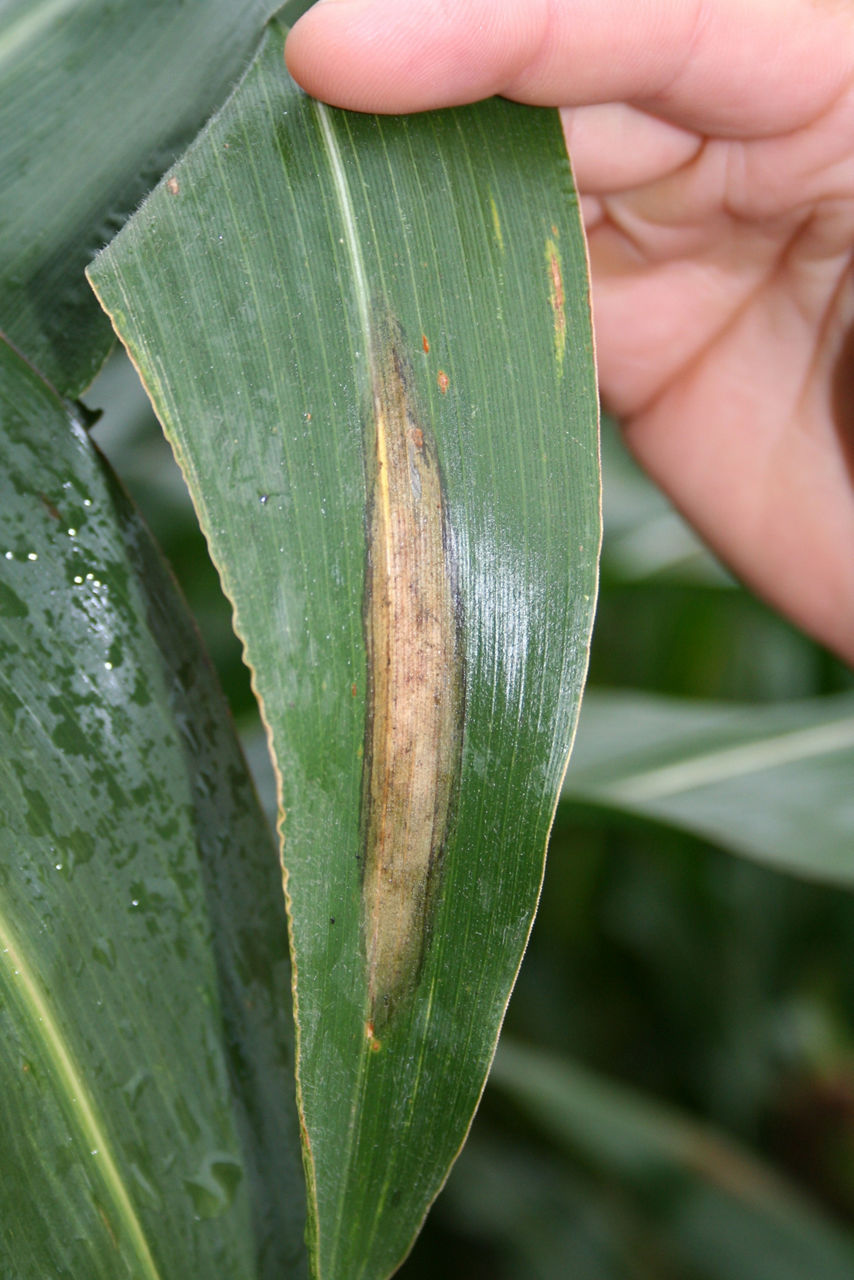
(413, 740)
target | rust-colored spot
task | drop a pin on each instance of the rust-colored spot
(415, 681)
(443, 380)
(108, 1225)
(425, 344)
(353, 689)
(49, 507)
(557, 298)
(173, 186)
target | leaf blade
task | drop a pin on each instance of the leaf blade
(322, 220)
(95, 100)
(140, 1012)
(717, 1206)
(749, 778)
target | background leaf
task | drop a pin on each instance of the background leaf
(243, 290)
(751, 779)
(718, 1211)
(96, 99)
(148, 1127)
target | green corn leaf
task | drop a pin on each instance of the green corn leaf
(147, 1121)
(376, 331)
(715, 1209)
(96, 99)
(749, 778)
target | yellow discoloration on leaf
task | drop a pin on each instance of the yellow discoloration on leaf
(557, 298)
(496, 224)
(413, 739)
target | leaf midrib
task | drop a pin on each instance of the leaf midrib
(722, 765)
(46, 1028)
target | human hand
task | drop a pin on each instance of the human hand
(713, 147)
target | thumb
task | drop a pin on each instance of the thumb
(718, 66)
(392, 56)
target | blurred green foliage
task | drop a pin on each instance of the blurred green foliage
(702, 981)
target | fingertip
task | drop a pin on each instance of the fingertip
(411, 55)
(743, 70)
(312, 44)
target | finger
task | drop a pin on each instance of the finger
(767, 483)
(714, 65)
(615, 147)
(400, 55)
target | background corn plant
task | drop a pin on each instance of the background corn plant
(672, 1095)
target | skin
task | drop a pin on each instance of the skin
(713, 145)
